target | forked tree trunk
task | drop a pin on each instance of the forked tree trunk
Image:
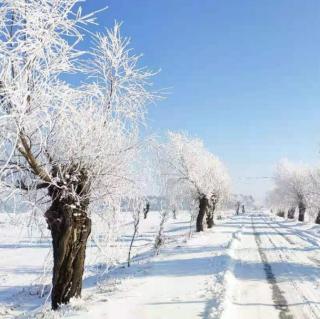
(302, 210)
(317, 221)
(210, 215)
(203, 206)
(291, 212)
(70, 228)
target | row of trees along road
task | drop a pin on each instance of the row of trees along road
(192, 175)
(296, 189)
(73, 149)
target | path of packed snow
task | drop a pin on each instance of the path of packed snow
(184, 281)
(275, 270)
(251, 266)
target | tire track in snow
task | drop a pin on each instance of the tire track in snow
(315, 261)
(284, 257)
(310, 239)
(278, 297)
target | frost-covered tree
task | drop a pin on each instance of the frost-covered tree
(137, 206)
(291, 189)
(193, 173)
(72, 145)
(313, 194)
(296, 188)
(279, 203)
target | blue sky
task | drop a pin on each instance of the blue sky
(244, 76)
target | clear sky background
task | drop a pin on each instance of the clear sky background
(244, 76)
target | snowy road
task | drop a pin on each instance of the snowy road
(252, 266)
(184, 281)
(275, 271)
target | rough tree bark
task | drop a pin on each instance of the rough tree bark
(210, 214)
(302, 210)
(291, 212)
(203, 206)
(70, 228)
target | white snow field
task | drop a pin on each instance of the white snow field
(249, 266)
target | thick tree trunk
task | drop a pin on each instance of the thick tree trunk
(291, 212)
(69, 239)
(302, 210)
(146, 210)
(317, 221)
(203, 206)
(281, 213)
(209, 215)
(70, 228)
(238, 208)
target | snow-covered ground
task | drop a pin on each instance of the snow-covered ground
(248, 266)
(275, 270)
